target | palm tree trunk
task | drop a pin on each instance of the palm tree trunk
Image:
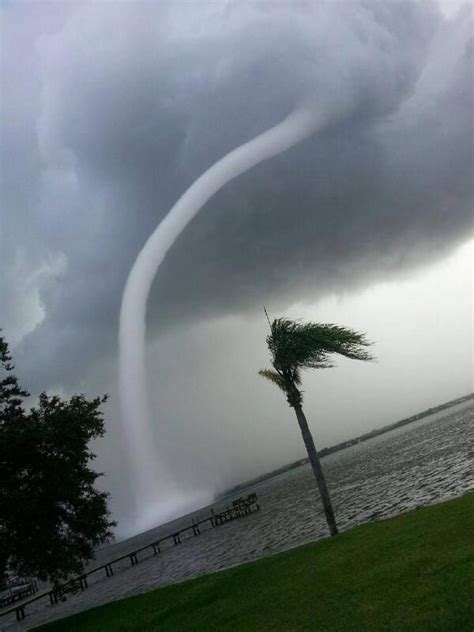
(317, 469)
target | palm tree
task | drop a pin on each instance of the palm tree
(296, 346)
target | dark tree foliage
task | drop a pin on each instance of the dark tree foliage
(51, 515)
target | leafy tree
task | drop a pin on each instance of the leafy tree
(51, 515)
(294, 347)
(11, 415)
(11, 394)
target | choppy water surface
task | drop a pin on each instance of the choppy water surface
(420, 464)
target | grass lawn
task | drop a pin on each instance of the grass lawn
(413, 572)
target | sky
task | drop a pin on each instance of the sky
(111, 110)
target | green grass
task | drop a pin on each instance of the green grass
(414, 572)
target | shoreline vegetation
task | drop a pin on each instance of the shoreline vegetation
(411, 572)
(344, 444)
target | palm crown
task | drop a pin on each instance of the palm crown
(296, 346)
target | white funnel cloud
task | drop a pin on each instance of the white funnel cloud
(151, 484)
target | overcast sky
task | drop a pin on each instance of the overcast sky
(111, 110)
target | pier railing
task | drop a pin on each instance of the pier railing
(19, 591)
(240, 507)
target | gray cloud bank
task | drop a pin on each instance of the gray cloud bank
(113, 109)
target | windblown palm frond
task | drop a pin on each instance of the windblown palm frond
(274, 377)
(296, 345)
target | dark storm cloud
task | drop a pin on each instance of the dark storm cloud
(127, 104)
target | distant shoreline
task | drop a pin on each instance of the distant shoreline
(346, 444)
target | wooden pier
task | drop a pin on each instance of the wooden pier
(28, 588)
(240, 507)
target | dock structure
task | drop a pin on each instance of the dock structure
(24, 590)
(238, 509)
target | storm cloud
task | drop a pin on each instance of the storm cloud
(111, 110)
(136, 101)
